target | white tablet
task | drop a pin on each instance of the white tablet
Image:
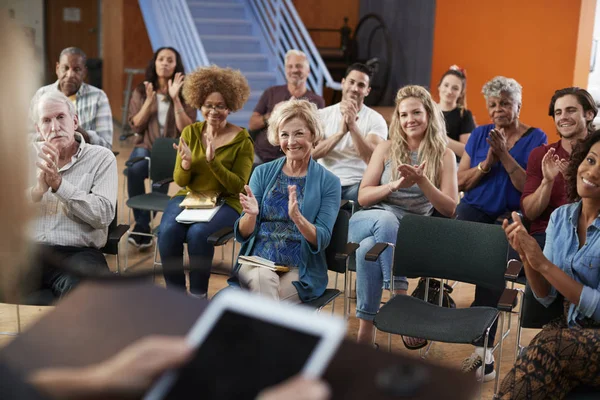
(246, 343)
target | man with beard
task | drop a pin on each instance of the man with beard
(352, 131)
(297, 69)
(75, 194)
(573, 110)
(91, 103)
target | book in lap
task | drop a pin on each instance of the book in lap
(204, 200)
(263, 263)
(193, 215)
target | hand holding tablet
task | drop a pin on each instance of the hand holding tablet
(246, 343)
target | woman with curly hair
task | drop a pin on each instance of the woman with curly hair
(565, 353)
(213, 156)
(412, 172)
(453, 102)
(156, 109)
(290, 208)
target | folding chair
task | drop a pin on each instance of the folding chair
(446, 249)
(161, 165)
(337, 255)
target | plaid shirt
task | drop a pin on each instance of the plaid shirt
(93, 111)
(80, 211)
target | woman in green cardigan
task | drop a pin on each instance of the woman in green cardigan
(213, 156)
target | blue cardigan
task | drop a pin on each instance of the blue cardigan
(321, 205)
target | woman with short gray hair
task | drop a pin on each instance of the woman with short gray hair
(492, 175)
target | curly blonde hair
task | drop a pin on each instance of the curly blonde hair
(434, 143)
(301, 109)
(230, 83)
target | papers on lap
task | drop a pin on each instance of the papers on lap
(190, 216)
(262, 262)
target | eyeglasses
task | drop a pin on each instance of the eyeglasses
(218, 107)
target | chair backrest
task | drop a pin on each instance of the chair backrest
(442, 248)
(534, 315)
(339, 239)
(162, 159)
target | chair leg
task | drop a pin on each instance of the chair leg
(499, 364)
(485, 346)
(389, 342)
(518, 338)
(335, 287)
(18, 319)
(127, 241)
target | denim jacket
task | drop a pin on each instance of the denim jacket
(583, 265)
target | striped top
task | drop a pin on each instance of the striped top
(409, 200)
(93, 111)
(83, 207)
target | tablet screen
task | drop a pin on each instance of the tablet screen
(241, 356)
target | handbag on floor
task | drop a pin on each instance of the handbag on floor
(433, 296)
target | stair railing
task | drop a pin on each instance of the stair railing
(283, 30)
(170, 23)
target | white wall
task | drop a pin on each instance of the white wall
(30, 15)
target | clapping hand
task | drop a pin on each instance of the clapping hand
(210, 148)
(175, 85)
(552, 165)
(48, 166)
(529, 250)
(293, 210)
(248, 202)
(150, 93)
(497, 142)
(185, 153)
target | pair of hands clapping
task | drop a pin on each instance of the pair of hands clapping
(47, 173)
(174, 87)
(349, 110)
(186, 154)
(529, 250)
(250, 204)
(552, 165)
(498, 146)
(409, 175)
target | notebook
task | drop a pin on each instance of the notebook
(263, 263)
(190, 216)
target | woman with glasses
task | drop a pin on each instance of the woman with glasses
(212, 156)
(157, 109)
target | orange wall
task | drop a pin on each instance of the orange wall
(543, 44)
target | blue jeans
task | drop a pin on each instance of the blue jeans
(351, 192)
(136, 174)
(171, 237)
(368, 227)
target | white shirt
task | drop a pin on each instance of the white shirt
(163, 108)
(343, 160)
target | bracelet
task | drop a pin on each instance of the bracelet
(484, 171)
(179, 110)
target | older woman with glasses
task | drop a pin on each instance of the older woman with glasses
(213, 156)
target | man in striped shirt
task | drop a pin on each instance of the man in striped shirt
(93, 109)
(75, 194)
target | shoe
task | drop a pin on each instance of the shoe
(475, 362)
(141, 242)
(420, 343)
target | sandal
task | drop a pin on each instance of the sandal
(420, 343)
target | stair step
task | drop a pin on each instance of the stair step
(259, 81)
(216, 10)
(243, 62)
(223, 26)
(230, 44)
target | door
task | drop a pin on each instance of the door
(70, 23)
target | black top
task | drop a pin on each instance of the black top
(457, 125)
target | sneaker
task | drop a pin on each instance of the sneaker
(141, 242)
(475, 362)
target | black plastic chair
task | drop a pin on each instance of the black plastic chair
(161, 165)
(337, 255)
(115, 233)
(446, 249)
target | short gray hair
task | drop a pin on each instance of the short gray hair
(295, 52)
(52, 96)
(301, 109)
(501, 84)
(75, 51)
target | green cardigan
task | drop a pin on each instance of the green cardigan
(228, 172)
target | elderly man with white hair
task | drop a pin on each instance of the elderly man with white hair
(75, 193)
(297, 69)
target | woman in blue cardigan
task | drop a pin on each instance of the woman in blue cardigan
(289, 210)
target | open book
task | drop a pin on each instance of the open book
(262, 262)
